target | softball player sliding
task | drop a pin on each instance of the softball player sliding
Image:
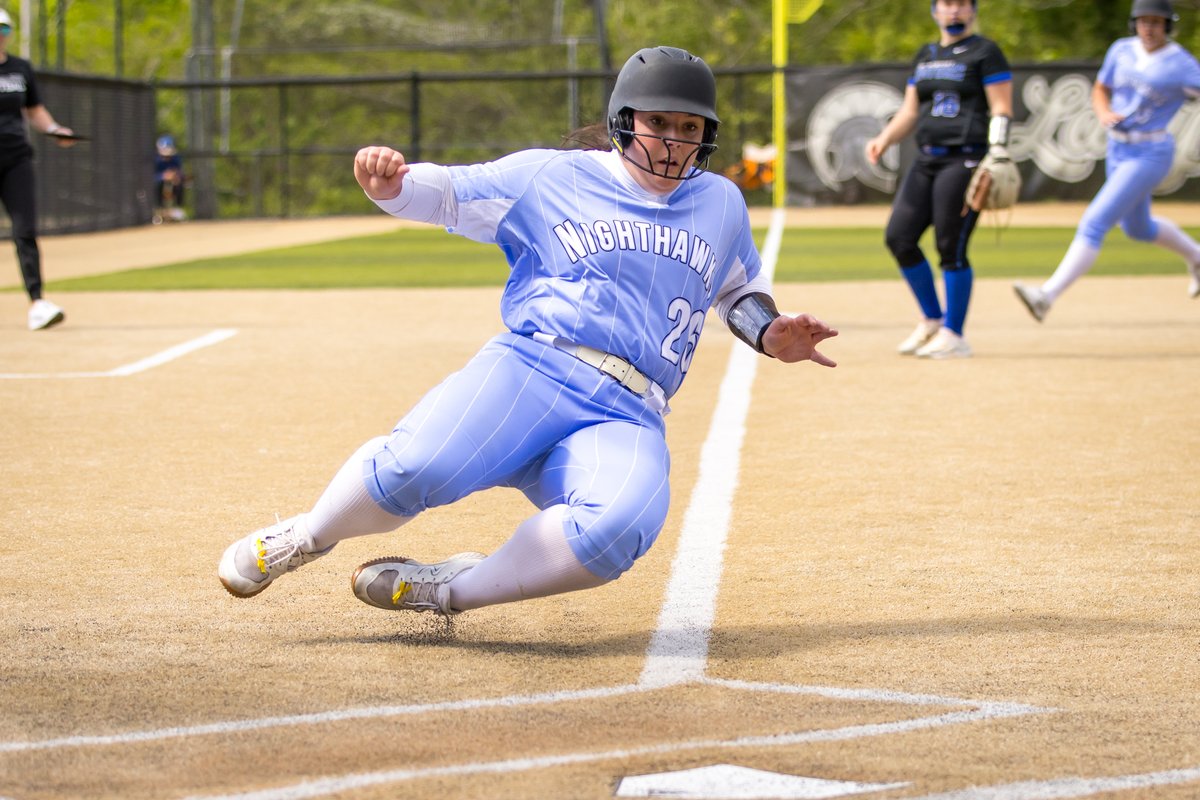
(615, 256)
(1142, 83)
(957, 82)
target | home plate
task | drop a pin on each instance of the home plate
(729, 782)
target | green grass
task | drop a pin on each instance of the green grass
(839, 254)
(433, 258)
(418, 257)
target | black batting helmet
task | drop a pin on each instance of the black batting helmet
(664, 79)
(1152, 8)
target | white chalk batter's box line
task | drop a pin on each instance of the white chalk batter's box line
(156, 360)
(977, 711)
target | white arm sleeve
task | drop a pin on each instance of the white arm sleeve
(729, 296)
(425, 196)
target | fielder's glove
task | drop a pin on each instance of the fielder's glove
(995, 184)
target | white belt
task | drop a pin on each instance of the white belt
(615, 367)
(625, 373)
(1134, 137)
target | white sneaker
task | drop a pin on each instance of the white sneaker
(1194, 284)
(250, 564)
(926, 329)
(1034, 299)
(946, 344)
(44, 314)
(401, 584)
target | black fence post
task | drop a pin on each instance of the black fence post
(285, 175)
(415, 117)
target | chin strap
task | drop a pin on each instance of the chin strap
(750, 317)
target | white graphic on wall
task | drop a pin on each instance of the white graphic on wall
(839, 127)
(1061, 134)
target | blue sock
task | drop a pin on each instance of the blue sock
(958, 297)
(920, 280)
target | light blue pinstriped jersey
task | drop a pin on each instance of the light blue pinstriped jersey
(598, 261)
(1148, 88)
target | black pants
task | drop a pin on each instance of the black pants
(932, 193)
(17, 193)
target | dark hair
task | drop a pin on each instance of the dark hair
(589, 137)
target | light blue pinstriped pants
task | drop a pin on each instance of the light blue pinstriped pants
(1132, 171)
(526, 415)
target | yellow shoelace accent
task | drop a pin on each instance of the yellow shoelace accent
(401, 590)
(262, 556)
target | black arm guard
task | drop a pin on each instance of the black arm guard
(751, 316)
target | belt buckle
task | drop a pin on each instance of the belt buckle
(624, 373)
(618, 368)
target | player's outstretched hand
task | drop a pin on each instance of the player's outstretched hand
(380, 171)
(792, 339)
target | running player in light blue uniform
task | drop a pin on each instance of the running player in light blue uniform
(1142, 83)
(616, 257)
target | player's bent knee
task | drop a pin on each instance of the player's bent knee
(904, 249)
(1139, 232)
(608, 544)
(410, 481)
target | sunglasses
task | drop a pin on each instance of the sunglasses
(5, 29)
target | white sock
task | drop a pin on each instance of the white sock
(535, 562)
(346, 509)
(1172, 237)
(1078, 260)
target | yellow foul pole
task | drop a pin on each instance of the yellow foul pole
(779, 56)
(781, 16)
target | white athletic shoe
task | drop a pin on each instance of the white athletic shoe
(1194, 284)
(1034, 299)
(250, 564)
(926, 329)
(44, 314)
(947, 344)
(401, 584)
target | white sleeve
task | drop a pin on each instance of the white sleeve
(728, 296)
(425, 196)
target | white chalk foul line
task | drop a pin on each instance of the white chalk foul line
(158, 359)
(679, 648)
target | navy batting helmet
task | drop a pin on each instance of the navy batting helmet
(664, 79)
(1152, 8)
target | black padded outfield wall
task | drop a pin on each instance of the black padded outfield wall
(1055, 140)
(107, 181)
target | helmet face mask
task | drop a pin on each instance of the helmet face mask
(664, 79)
(688, 153)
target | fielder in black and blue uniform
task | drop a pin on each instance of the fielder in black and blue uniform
(959, 101)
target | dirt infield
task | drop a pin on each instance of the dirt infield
(968, 580)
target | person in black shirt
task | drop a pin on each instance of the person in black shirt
(20, 103)
(959, 101)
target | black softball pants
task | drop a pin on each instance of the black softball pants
(17, 193)
(932, 193)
